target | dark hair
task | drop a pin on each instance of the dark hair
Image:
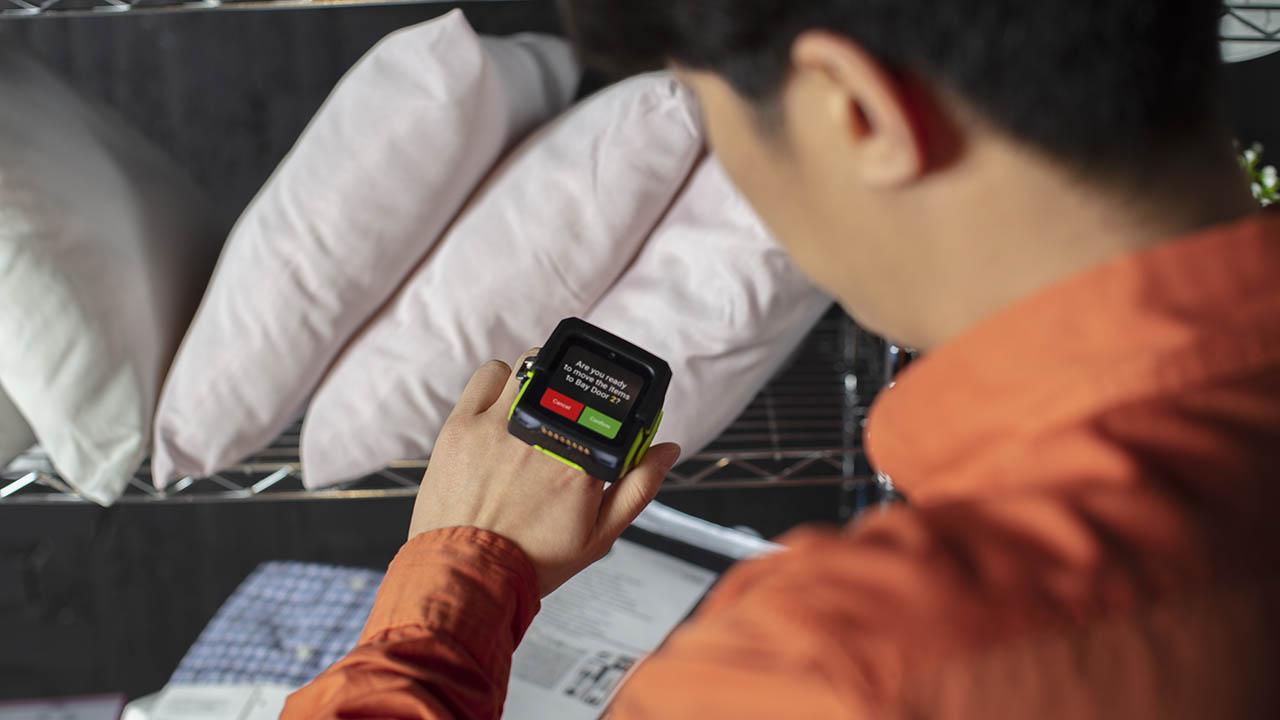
(1102, 84)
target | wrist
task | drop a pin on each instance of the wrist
(461, 580)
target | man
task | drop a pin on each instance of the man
(1043, 195)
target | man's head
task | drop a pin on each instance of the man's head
(864, 131)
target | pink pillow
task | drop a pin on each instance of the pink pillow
(377, 176)
(717, 298)
(547, 236)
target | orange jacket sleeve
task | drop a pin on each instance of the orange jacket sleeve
(438, 644)
(455, 603)
(964, 610)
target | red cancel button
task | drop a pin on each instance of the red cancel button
(562, 404)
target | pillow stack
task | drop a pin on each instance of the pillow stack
(546, 237)
(105, 248)
(607, 214)
(375, 179)
(370, 277)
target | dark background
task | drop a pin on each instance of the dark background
(228, 92)
(95, 600)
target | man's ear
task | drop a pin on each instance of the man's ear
(870, 114)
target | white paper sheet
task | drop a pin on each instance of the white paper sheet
(93, 707)
(593, 630)
(219, 702)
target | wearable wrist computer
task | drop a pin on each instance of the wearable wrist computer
(590, 399)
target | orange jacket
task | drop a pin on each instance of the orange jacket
(1093, 477)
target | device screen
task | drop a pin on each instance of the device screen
(594, 392)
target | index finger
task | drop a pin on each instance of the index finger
(512, 388)
(485, 385)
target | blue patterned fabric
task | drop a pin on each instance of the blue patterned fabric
(286, 623)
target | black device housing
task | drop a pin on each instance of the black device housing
(598, 456)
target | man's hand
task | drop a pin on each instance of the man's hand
(480, 476)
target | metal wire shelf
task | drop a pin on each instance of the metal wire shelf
(1244, 21)
(102, 8)
(1252, 22)
(804, 428)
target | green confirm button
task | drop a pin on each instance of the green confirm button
(600, 422)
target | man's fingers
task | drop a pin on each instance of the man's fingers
(483, 389)
(624, 500)
(512, 388)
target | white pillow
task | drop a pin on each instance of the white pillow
(377, 176)
(544, 239)
(15, 434)
(104, 251)
(713, 295)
